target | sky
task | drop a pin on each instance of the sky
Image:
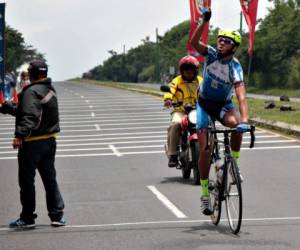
(75, 35)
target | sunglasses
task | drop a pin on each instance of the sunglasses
(225, 40)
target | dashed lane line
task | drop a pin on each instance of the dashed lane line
(115, 151)
(179, 214)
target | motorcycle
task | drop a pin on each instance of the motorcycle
(188, 148)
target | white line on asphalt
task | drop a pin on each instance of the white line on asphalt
(93, 114)
(91, 106)
(143, 223)
(113, 124)
(114, 115)
(109, 141)
(97, 127)
(160, 117)
(81, 96)
(109, 110)
(103, 107)
(266, 148)
(167, 202)
(115, 150)
(106, 103)
(127, 117)
(149, 146)
(141, 152)
(103, 135)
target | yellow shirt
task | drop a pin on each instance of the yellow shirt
(182, 91)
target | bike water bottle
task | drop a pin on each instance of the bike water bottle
(219, 169)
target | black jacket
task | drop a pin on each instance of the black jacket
(37, 112)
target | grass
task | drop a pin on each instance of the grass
(256, 106)
(257, 110)
(276, 92)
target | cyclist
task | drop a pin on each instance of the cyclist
(222, 74)
(184, 88)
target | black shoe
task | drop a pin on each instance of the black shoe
(173, 161)
(59, 223)
(22, 224)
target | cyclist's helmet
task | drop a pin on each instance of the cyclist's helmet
(188, 63)
(234, 35)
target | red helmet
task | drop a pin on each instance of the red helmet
(189, 63)
(189, 60)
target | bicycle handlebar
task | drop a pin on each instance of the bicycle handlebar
(230, 130)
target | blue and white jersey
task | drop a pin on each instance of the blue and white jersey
(219, 77)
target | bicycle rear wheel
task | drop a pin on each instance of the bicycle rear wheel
(215, 197)
(233, 197)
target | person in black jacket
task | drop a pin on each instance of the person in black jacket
(36, 127)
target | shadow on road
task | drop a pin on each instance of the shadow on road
(177, 179)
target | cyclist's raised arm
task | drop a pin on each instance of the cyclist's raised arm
(196, 38)
(240, 91)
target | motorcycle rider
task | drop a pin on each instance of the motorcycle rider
(183, 88)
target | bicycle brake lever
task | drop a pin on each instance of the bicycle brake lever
(252, 134)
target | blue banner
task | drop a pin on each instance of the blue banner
(2, 28)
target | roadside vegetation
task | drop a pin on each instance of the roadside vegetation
(276, 62)
(17, 52)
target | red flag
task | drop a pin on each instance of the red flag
(196, 7)
(249, 8)
(1, 97)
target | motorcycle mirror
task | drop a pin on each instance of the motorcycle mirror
(165, 88)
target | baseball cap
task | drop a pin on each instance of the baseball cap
(38, 66)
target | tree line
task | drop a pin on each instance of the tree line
(276, 61)
(17, 52)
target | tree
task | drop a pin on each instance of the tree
(16, 50)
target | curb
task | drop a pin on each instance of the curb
(277, 126)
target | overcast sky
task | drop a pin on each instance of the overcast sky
(75, 35)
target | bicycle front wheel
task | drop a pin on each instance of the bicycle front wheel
(233, 196)
(215, 196)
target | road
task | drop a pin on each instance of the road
(112, 169)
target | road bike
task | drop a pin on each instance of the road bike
(225, 180)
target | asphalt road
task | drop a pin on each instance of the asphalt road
(112, 169)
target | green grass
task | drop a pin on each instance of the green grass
(256, 109)
(276, 92)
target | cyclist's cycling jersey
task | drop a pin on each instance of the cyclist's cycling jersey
(220, 77)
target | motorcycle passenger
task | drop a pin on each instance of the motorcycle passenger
(223, 74)
(183, 88)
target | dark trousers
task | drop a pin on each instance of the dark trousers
(39, 155)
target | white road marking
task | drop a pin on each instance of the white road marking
(167, 202)
(87, 101)
(93, 114)
(102, 135)
(91, 106)
(144, 223)
(114, 115)
(81, 96)
(109, 110)
(60, 144)
(115, 150)
(104, 107)
(97, 127)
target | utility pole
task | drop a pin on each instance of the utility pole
(241, 23)
(157, 68)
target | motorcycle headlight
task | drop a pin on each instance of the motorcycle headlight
(193, 117)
